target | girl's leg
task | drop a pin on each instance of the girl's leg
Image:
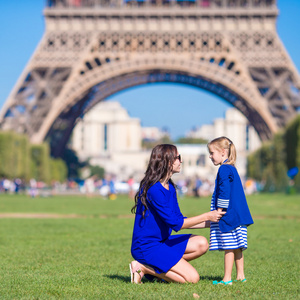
(182, 272)
(239, 263)
(228, 264)
(196, 246)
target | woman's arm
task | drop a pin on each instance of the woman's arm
(205, 224)
(213, 216)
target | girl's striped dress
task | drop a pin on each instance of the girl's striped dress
(234, 239)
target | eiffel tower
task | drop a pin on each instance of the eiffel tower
(92, 49)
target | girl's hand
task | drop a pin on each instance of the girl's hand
(215, 215)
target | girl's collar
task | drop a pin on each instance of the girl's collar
(225, 161)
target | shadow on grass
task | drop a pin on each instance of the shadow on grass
(126, 279)
(120, 278)
(210, 278)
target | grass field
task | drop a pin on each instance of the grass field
(73, 247)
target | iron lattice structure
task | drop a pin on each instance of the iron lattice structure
(94, 48)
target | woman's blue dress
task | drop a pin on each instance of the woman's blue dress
(152, 242)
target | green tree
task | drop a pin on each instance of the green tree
(14, 155)
(189, 140)
(23, 157)
(279, 162)
(19, 158)
(40, 162)
(150, 144)
(58, 170)
(98, 171)
(267, 165)
(292, 142)
(7, 154)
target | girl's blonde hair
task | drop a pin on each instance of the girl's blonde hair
(223, 142)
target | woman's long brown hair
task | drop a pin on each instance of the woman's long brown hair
(159, 166)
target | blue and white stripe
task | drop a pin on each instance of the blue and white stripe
(223, 203)
(234, 239)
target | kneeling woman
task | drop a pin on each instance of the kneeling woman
(155, 250)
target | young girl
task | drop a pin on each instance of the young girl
(230, 233)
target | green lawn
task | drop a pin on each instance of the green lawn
(87, 257)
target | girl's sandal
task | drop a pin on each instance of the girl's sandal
(136, 274)
(222, 282)
(241, 280)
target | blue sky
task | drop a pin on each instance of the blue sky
(174, 106)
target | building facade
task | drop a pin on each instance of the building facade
(153, 133)
(106, 129)
(109, 137)
(236, 127)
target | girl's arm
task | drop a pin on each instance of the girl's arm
(213, 216)
(225, 178)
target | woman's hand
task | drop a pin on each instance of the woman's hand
(203, 220)
(215, 216)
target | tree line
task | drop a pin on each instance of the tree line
(270, 163)
(21, 159)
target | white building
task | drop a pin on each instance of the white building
(236, 127)
(106, 129)
(196, 162)
(153, 133)
(110, 138)
(206, 132)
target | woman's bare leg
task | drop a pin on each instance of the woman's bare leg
(182, 272)
(196, 246)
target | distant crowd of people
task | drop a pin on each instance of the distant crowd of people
(110, 186)
(11, 186)
(71, 3)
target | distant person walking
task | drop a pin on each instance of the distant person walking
(157, 252)
(33, 191)
(230, 234)
(130, 183)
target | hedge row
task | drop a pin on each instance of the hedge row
(20, 159)
(270, 163)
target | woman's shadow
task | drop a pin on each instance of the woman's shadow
(119, 277)
(210, 278)
(126, 279)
